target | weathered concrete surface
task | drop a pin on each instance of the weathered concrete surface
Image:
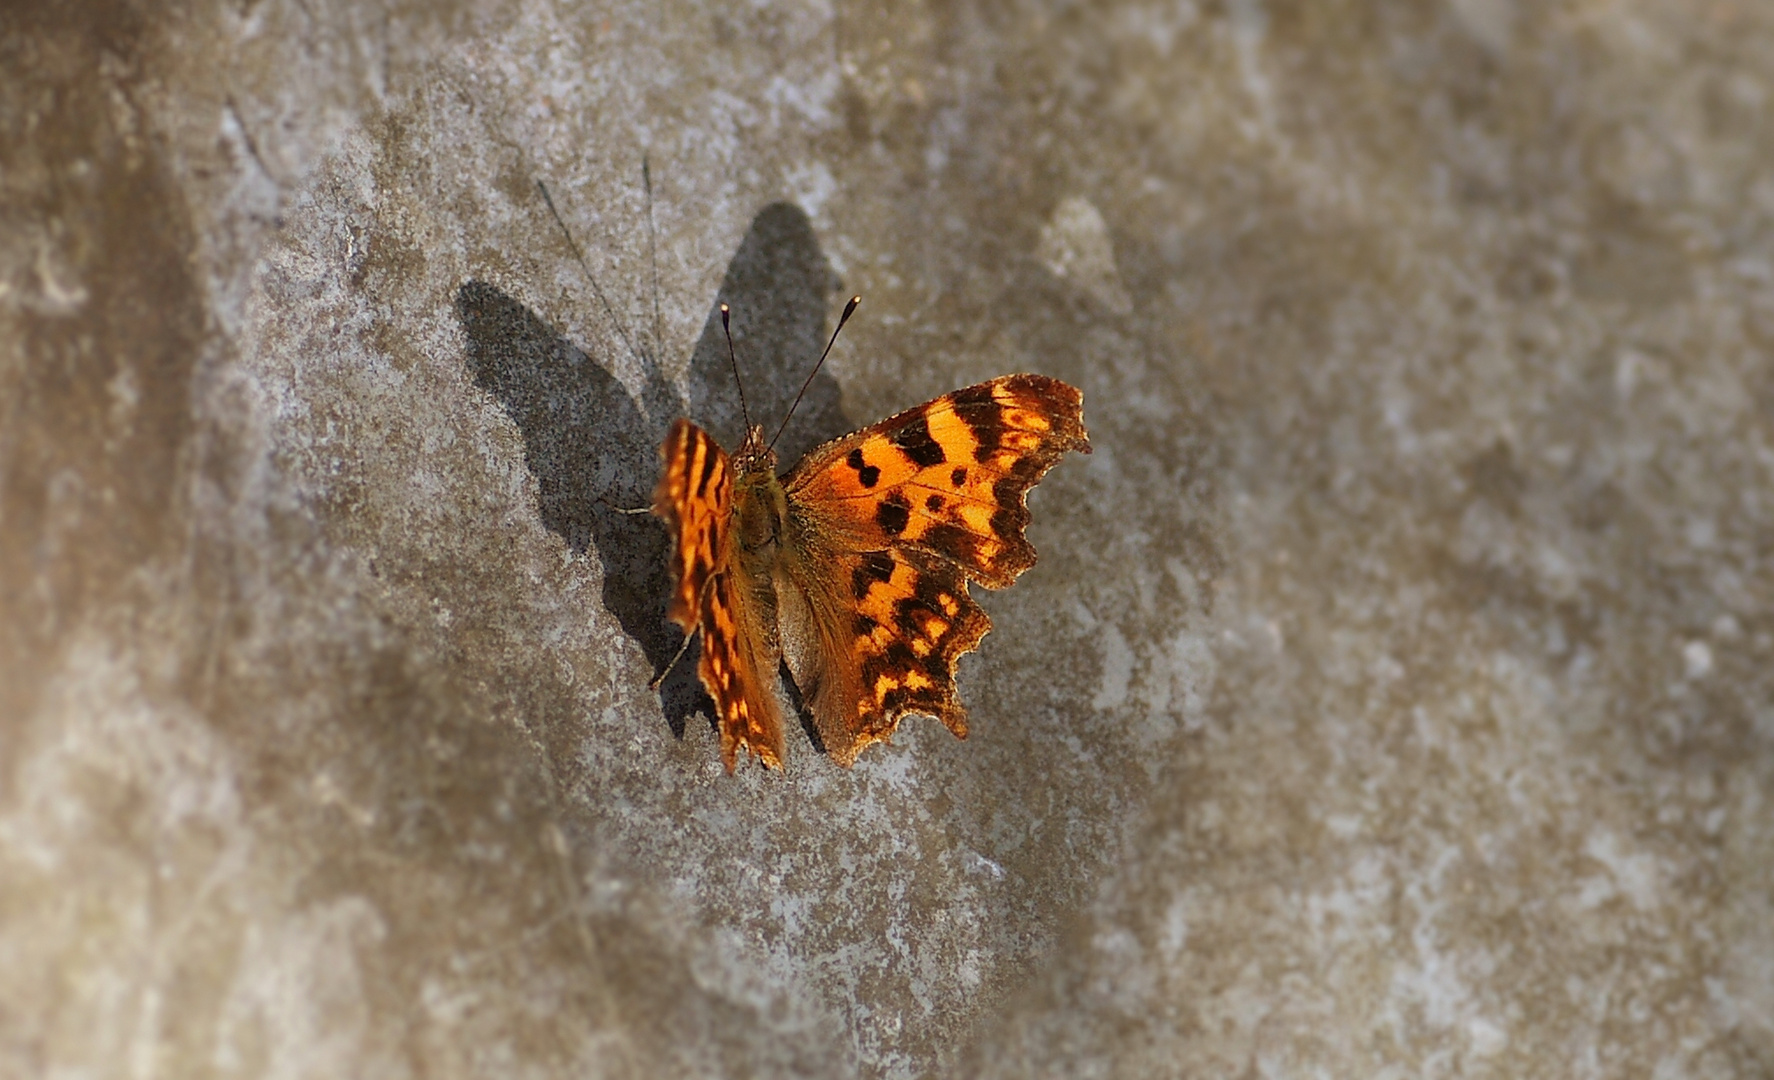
(1392, 698)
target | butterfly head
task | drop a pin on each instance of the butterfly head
(754, 454)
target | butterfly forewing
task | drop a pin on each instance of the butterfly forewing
(695, 497)
(948, 478)
(735, 616)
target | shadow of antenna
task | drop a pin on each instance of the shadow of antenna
(780, 288)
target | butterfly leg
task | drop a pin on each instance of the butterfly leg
(630, 510)
(659, 679)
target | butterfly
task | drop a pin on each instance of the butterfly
(854, 566)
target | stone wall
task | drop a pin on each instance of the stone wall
(1392, 697)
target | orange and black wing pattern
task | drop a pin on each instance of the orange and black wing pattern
(739, 658)
(948, 478)
(890, 524)
(887, 630)
(695, 497)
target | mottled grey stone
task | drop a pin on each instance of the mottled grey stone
(1392, 697)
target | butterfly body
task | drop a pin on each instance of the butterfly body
(760, 506)
(854, 567)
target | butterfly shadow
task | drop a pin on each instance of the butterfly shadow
(593, 447)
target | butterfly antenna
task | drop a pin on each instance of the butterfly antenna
(589, 276)
(728, 330)
(849, 309)
(652, 253)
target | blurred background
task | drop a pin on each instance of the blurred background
(1393, 696)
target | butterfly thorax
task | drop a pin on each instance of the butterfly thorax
(760, 506)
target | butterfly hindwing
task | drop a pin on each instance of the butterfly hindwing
(877, 636)
(739, 666)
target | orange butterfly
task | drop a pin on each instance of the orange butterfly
(854, 566)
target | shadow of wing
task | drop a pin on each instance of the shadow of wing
(592, 451)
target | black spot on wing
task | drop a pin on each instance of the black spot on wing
(899, 657)
(708, 470)
(958, 477)
(933, 503)
(914, 441)
(895, 662)
(987, 423)
(867, 475)
(893, 514)
(875, 566)
(910, 614)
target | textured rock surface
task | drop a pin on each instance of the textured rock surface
(1392, 698)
